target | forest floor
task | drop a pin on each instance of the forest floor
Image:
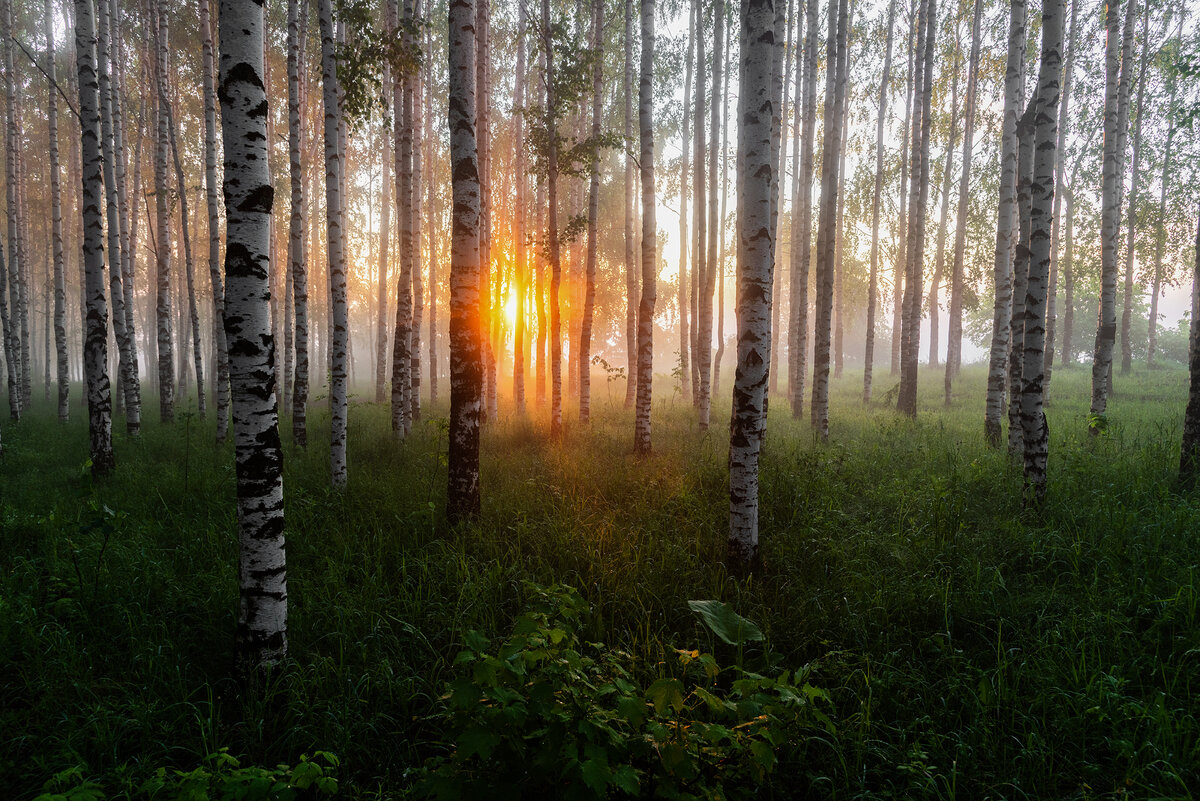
(950, 645)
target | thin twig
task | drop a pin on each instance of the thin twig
(53, 82)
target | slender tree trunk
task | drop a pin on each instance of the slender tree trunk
(631, 276)
(918, 198)
(700, 208)
(385, 236)
(1134, 186)
(1189, 457)
(900, 268)
(1016, 352)
(12, 325)
(466, 358)
(297, 262)
(262, 619)
(56, 234)
(1160, 237)
(840, 228)
(483, 113)
(1033, 418)
(95, 346)
(873, 284)
(781, 182)
(1068, 343)
(935, 285)
(756, 235)
(589, 300)
(216, 283)
(1116, 72)
(685, 370)
(1014, 81)
(166, 351)
(189, 271)
(645, 343)
(1056, 226)
(402, 342)
(954, 335)
(709, 273)
(798, 361)
(418, 287)
(520, 266)
(720, 263)
(434, 230)
(335, 245)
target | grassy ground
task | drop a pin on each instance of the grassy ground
(971, 651)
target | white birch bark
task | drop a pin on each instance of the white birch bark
(1064, 120)
(589, 298)
(385, 237)
(95, 344)
(402, 337)
(63, 378)
(262, 616)
(162, 230)
(414, 339)
(335, 246)
(297, 255)
(801, 247)
(631, 275)
(521, 265)
(12, 275)
(1033, 418)
(466, 357)
(1160, 238)
(756, 245)
(1134, 187)
(685, 339)
(1014, 81)
(705, 323)
(188, 265)
(1020, 283)
(645, 344)
(873, 282)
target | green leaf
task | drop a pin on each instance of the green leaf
(664, 693)
(596, 774)
(726, 623)
(626, 778)
(713, 702)
(477, 741)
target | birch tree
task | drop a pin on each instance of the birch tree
(262, 615)
(63, 378)
(873, 281)
(1064, 120)
(162, 227)
(297, 262)
(712, 264)
(520, 267)
(685, 370)
(1134, 187)
(466, 358)
(1160, 238)
(645, 343)
(589, 301)
(756, 245)
(1014, 81)
(212, 201)
(95, 344)
(12, 326)
(1033, 418)
(1189, 455)
(801, 250)
(631, 276)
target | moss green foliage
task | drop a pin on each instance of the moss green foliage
(967, 650)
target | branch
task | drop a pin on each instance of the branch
(53, 82)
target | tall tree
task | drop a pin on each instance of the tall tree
(12, 355)
(402, 103)
(835, 108)
(645, 343)
(551, 134)
(418, 287)
(1033, 418)
(262, 617)
(709, 275)
(756, 245)
(685, 339)
(1060, 147)
(385, 237)
(700, 255)
(1014, 81)
(631, 276)
(335, 245)
(95, 344)
(520, 266)
(954, 335)
(466, 358)
(589, 300)
(189, 270)
(212, 199)
(1160, 238)
(899, 269)
(1116, 79)
(785, 69)
(162, 228)
(297, 261)
(918, 198)
(63, 377)
(1020, 282)
(873, 283)
(1134, 186)
(801, 250)
(935, 283)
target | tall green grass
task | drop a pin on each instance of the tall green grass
(972, 650)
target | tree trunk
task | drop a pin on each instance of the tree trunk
(756, 235)
(1016, 352)
(434, 231)
(918, 198)
(165, 337)
(1160, 237)
(466, 358)
(954, 335)
(12, 282)
(418, 288)
(483, 113)
(900, 268)
(935, 284)
(1033, 418)
(1014, 81)
(589, 300)
(1068, 343)
(385, 228)
(685, 370)
(262, 619)
(335, 246)
(631, 276)
(1130, 243)
(402, 102)
(1116, 78)
(802, 247)
(873, 284)
(63, 377)
(709, 274)
(720, 264)
(781, 184)
(645, 343)
(520, 265)
(95, 346)
(1056, 226)
(189, 271)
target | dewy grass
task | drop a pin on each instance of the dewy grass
(970, 650)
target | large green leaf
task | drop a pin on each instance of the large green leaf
(726, 623)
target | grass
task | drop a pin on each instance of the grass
(971, 650)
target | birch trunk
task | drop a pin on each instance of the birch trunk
(935, 285)
(520, 267)
(1134, 186)
(297, 265)
(385, 236)
(434, 231)
(645, 343)
(483, 114)
(63, 377)
(1068, 343)
(1014, 81)
(162, 232)
(900, 268)
(589, 299)
(466, 357)
(631, 276)
(418, 289)
(335, 246)
(12, 325)
(756, 163)
(1189, 456)
(1064, 120)
(189, 269)
(1016, 352)
(709, 274)
(1160, 238)
(1033, 418)
(551, 132)
(873, 283)
(262, 618)
(954, 335)
(781, 185)
(685, 370)
(402, 341)
(95, 345)
(801, 248)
